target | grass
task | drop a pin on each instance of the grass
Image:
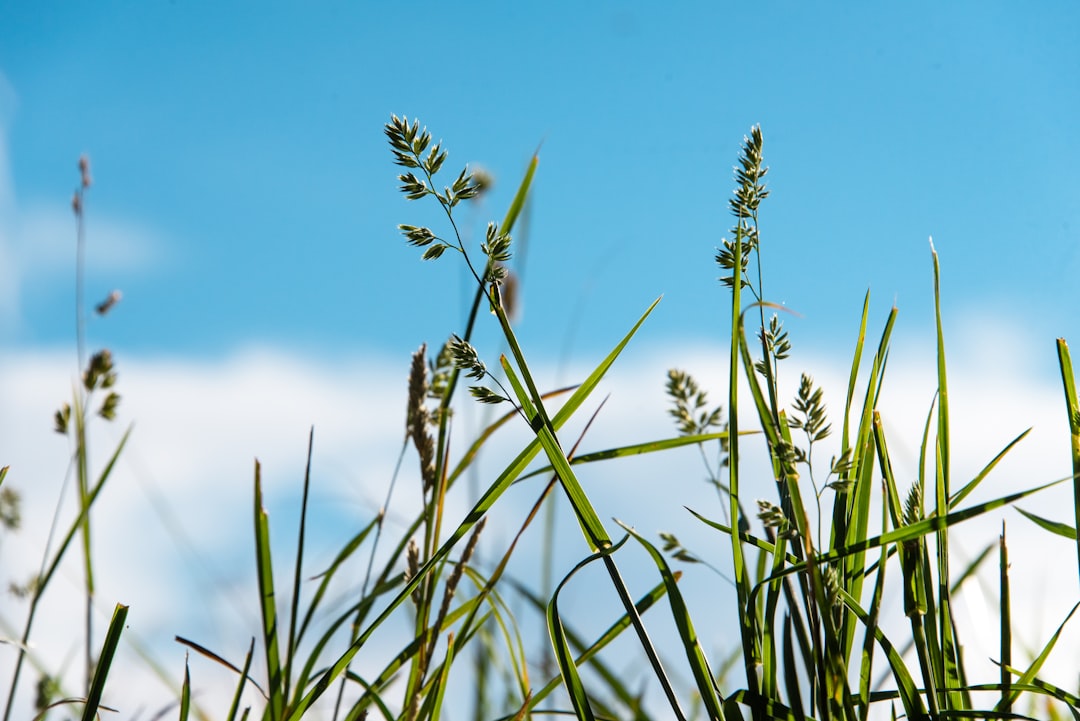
(809, 569)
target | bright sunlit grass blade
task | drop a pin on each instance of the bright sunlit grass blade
(104, 661)
(952, 678)
(267, 602)
(1072, 406)
(853, 376)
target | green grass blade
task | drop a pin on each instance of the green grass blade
(563, 655)
(637, 449)
(695, 656)
(591, 526)
(108, 651)
(588, 653)
(1072, 406)
(328, 575)
(203, 651)
(444, 678)
(1062, 529)
(791, 676)
(520, 196)
(854, 374)
(1032, 671)
(909, 693)
(293, 638)
(1005, 631)
(185, 693)
(953, 671)
(235, 706)
(738, 562)
(267, 602)
(974, 482)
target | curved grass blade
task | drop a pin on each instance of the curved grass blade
(587, 653)
(909, 693)
(563, 654)
(203, 651)
(699, 665)
(1061, 529)
(108, 651)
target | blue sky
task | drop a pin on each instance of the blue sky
(246, 205)
(243, 149)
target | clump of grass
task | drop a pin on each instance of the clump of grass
(808, 578)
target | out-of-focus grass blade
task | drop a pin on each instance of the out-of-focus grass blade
(267, 601)
(101, 672)
(1060, 529)
(699, 665)
(1072, 406)
(243, 679)
(522, 193)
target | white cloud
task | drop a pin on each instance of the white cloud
(173, 528)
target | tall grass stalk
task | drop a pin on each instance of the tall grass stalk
(98, 377)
